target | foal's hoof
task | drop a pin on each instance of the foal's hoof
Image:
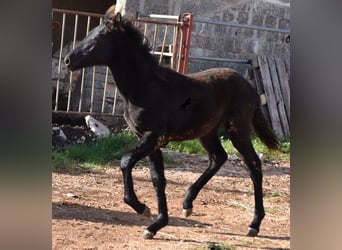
(147, 212)
(187, 212)
(252, 232)
(147, 235)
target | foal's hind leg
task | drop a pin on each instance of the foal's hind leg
(158, 178)
(217, 157)
(241, 141)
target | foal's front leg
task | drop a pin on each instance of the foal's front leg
(158, 178)
(144, 147)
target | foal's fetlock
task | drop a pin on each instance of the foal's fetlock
(151, 231)
(138, 207)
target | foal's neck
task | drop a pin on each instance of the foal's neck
(131, 72)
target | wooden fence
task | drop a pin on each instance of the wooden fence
(271, 76)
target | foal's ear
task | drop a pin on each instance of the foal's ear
(117, 18)
(118, 21)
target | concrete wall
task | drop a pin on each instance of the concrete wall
(222, 41)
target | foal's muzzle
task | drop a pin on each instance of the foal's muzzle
(67, 60)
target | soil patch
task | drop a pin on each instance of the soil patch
(89, 213)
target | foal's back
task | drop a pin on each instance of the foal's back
(228, 85)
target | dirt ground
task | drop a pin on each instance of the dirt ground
(89, 213)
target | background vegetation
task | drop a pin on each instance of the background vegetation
(106, 150)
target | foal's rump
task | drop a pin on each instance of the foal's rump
(241, 103)
(227, 83)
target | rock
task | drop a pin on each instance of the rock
(96, 126)
(70, 195)
(59, 132)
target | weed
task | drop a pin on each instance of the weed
(239, 205)
(276, 194)
(221, 246)
(189, 147)
(101, 152)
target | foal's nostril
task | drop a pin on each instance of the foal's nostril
(67, 60)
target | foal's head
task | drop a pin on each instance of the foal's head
(104, 43)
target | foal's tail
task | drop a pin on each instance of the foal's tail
(263, 130)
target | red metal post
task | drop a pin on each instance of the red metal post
(186, 28)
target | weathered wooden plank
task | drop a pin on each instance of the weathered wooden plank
(257, 77)
(270, 96)
(287, 65)
(278, 97)
(284, 85)
(260, 88)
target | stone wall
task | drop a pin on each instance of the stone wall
(223, 41)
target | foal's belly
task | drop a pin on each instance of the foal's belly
(193, 130)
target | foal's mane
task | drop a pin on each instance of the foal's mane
(135, 35)
(140, 43)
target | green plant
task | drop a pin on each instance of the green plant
(104, 150)
(194, 147)
(189, 147)
(276, 194)
(220, 246)
(101, 152)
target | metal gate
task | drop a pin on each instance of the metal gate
(93, 90)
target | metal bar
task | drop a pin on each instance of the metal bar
(84, 113)
(145, 30)
(71, 73)
(164, 53)
(180, 53)
(247, 26)
(92, 90)
(93, 85)
(208, 58)
(115, 100)
(59, 63)
(163, 45)
(105, 90)
(105, 83)
(83, 73)
(154, 38)
(153, 22)
(81, 91)
(171, 17)
(73, 12)
(186, 28)
(174, 65)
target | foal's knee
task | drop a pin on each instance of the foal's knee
(126, 161)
